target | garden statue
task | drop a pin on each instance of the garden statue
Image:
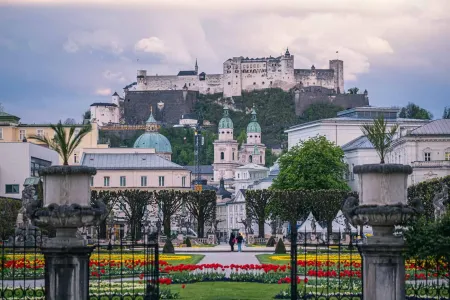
(440, 201)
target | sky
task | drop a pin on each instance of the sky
(59, 56)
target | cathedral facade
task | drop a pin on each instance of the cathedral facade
(228, 156)
(247, 74)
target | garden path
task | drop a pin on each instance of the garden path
(228, 258)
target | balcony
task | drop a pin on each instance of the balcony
(431, 164)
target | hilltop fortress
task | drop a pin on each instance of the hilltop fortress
(247, 74)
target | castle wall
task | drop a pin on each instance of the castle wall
(309, 95)
(136, 105)
(315, 77)
(212, 84)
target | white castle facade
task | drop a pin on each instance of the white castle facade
(247, 74)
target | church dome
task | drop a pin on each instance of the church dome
(225, 122)
(253, 126)
(153, 140)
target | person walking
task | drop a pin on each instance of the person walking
(232, 241)
(239, 239)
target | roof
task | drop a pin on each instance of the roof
(186, 73)
(103, 104)
(8, 117)
(253, 166)
(205, 169)
(437, 127)
(128, 161)
(361, 142)
(153, 140)
(225, 122)
(115, 94)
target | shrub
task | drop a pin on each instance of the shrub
(188, 242)
(425, 191)
(168, 247)
(280, 248)
(271, 242)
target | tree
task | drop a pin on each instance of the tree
(202, 205)
(380, 136)
(134, 204)
(256, 203)
(9, 208)
(413, 111)
(169, 202)
(242, 137)
(87, 115)
(446, 114)
(70, 121)
(108, 198)
(64, 142)
(271, 158)
(313, 164)
(318, 111)
(353, 90)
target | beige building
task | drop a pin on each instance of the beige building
(11, 130)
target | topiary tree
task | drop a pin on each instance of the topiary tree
(256, 203)
(271, 242)
(168, 247)
(202, 205)
(9, 208)
(281, 248)
(168, 202)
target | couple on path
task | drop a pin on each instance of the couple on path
(233, 240)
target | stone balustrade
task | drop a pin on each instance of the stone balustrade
(431, 164)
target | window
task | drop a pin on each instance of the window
(161, 180)
(106, 181)
(75, 158)
(447, 155)
(427, 156)
(239, 175)
(40, 132)
(1, 133)
(37, 164)
(22, 134)
(183, 181)
(91, 181)
(260, 159)
(233, 155)
(143, 180)
(11, 188)
(123, 181)
(229, 83)
(222, 155)
(250, 158)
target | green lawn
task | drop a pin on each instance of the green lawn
(265, 259)
(195, 259)
(228, 290)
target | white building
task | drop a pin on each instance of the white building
(19, 161)
(105, 113)
(426, 149)
(248, 174)
(347, 125)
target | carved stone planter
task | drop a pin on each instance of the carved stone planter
(382, 205)
(66, 207)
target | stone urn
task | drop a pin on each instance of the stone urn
(66, 205)
(382, 199)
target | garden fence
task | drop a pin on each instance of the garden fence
(119, 269)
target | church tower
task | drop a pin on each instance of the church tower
(196, 67)
(225, 149)
(253, 151)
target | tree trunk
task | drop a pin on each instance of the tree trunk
(166, 224)
(261, 232)
(200, 227)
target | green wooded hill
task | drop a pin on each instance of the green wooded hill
(275, 113)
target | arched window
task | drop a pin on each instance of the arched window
(250, 158)
(222, 155)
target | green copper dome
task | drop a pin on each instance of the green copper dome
(225, 122)
(153, 140)
(253, 126)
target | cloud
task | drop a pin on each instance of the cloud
(93, 40)
(114, 76)
(103, 92)
(151, 45)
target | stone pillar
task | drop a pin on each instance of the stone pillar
(67, 272)
(65, 208)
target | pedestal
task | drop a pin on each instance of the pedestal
(250, 239)
(67, 273)
(384, 269)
